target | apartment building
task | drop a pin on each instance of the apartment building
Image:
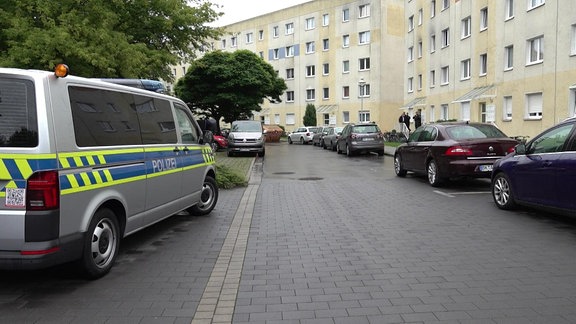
(345, 57)
(509, 62)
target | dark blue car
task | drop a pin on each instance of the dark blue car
(540, 173)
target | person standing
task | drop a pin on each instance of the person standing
(417, 120)
(404, 118)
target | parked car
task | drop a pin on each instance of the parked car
(220, 142)
(246, 136)
(317, 137)
(360, 138)
(454, 149)
(302, 135)
(540, 173)
(329, 140)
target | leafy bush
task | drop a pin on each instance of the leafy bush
(228, 178)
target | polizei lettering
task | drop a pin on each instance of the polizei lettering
(164, 164)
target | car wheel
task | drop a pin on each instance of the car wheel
(502, 192)
(229, 153)
(289, 140)
(400, 171)
(324, 145)
(208, 198)
(101, 244)
(302, 141)
(432, 171)
(349, 152)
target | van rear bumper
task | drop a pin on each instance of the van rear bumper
(65, 250)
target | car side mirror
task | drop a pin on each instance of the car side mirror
(207, 137)
(520, 149)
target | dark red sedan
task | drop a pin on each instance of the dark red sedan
(452, 149)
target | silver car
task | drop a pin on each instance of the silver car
(302, 135)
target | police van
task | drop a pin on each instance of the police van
(84, 163)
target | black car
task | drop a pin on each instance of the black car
(453, 149)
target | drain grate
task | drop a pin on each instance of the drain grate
(311, 179)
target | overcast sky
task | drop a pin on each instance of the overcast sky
(238, 10)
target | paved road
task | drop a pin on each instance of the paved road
(318, 237)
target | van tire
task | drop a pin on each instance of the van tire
(208, 198)
(101, 244)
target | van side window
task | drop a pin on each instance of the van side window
(103, 118)
(156, 120)
(18, 123)
(187, 129)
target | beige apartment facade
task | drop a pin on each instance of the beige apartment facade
(508, 62)
(344, 57)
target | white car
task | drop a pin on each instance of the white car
(302, 135)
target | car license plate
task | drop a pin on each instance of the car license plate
(367, 139)
(485, 168)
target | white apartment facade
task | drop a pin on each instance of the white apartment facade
(509, 62)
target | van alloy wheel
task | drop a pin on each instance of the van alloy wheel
(208, 198)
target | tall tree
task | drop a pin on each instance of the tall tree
(309, 118)
(229, 85)
(112, 38)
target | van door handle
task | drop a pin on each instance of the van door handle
(176, 149)
(186, 149)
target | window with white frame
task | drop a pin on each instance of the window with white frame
(432, 8)
(326, 119)
(445, 4)
(364, 11)
(445, 37)
(573, 40)
(310, 23)
(345, 40)
(466, 27)
(534, 105)
(290, 119)
(345, 66)
(420, 17)
(345, 92)
(277, 119)
(507, 108)
(325, 19)
(233, 41)
(432, 78)
(444, 112)
(483, 19)
(483, 64)
(249, 38)
(275, 54)
(364, 90)
(223, 43)
(325, 93)
(465, 111)
(509, 7)
(410, 54)
(325, 44)
(289, 28)
(410, 84)
(289, 96)
(431, 112)
(444, 75)
(420, 49)
(410, 23)
(289, 73)
(275, 31)
(419, 85)
(345, 15)
(326, 68)
(310, 47)
(535, 50)
(260, 34)
(432, 43)
(345, 117)
(261, 54)
(363, 116)
(508, 57)
(364, 37)
(535, 3)
(310, 94)
(289, 51)
(487, 113)
(310, 70)
(364, 64)
(572, 107)
(465, 69)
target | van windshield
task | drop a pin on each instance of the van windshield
(247, 127)
(18, 121)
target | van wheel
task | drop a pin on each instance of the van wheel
(208, 198)
(101, 244)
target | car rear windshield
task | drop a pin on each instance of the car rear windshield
(247, 127)
(18, 120)
(464, 132)
(366, 129)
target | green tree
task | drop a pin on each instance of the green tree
(310, 115)
(229, 85)
(112, 38)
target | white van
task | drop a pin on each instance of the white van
(84, 163)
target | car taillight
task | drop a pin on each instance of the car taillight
(458, 151)
(307, 134)
(510, 150)
(43, 191)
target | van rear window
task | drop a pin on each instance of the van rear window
(18, 120)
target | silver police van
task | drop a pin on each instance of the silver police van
(84, 163)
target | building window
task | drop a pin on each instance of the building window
(445, 75)
(507, 108)
(509, 57)
(310, 23)
(289, 28)
(290, 74)
(410, 23)
(465, 69)
(432, 43)
(364, 11)
(535, 50)
(346, 117)
(275, 31)
(420, 17)
(310, 47)
(410, 54)
(364, 37)
(483, 19)
(444, 111)
(445, 4)
(345, 40)
(326, 68)
(326, 119)
(431, 115)
(345, 66)
(410, 84)
(487, 113)
(325, 20)
(233, 41)
(260, 34)
(432, 78)
(432, 8)
(310, 94)
(223, 43)
(346, 92)
(290, 119)
(535, 3)
(289, 51)
(277, 119)
(310, 70)
(289, 96)
(465, 111)
(483, 64)
(509, 9)
(363, 116)
(261, 54)
(466, 27)
(419, 49)
(534, 105)
(345, 15)
(364, 90)
(419, 82)
(275, 54)
(364, 64)
(325, 93)
(325, 44)
(445, 37)
(573, 41)
(249, 38)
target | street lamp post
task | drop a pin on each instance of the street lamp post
(362, 85)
